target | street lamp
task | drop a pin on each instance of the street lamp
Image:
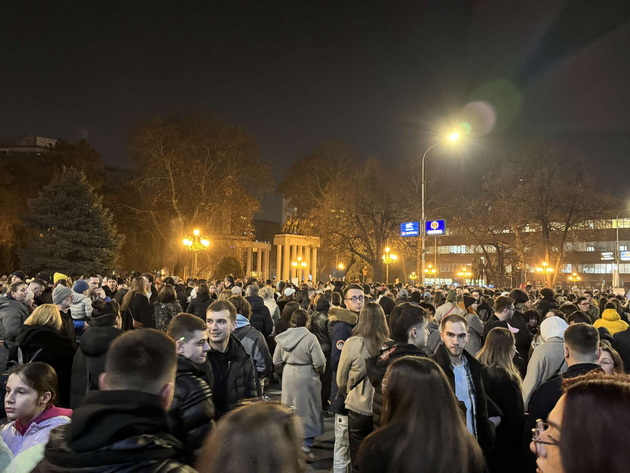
(544, 269)
(573, 277)
(299, 265)
(465, 274)
(430, 271)
(388, 258)
(617, 254)
(196, 243)
(452, 137)
(413, 276)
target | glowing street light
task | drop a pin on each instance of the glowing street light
(196, 243)
(574, 277)
(465, 274)
(388, 258)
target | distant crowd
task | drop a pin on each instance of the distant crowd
(153, 374)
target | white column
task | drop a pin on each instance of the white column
(259, 262)
(279, 262)
(307, 259)
(314, 265)
(248, 267)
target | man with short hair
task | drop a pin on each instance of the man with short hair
(124, 426)
(62, 298)
(584, 305)
(192, 410)
(230, 371)
(408, 324)
(464, 374)
(37, 287)
(581, 352)
(593, 309)
(111, 288)
(484, 310)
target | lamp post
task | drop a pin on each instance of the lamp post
(544, 269)
(299, 265)
(196, 243)
(617, 255)
(388, 258)
(413, 276)
(465, 274)
(574, 277)
(453, 137)
(430, 271)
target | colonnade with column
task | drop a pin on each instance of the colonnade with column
(296, 257)
(257, 259)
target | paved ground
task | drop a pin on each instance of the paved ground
(323, 448)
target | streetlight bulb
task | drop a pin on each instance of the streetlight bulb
(394, 257)
(455, 136)
(387, 249)
(204, 242)
(196, 232)
(341, 266)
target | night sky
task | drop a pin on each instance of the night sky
(382, 76)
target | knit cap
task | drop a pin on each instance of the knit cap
(451, 296)
(58, 277)
(80, 286)
(60, 293)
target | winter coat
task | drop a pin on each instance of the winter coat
(298, 351)
(56, 349)
(433, 340)
(119, 431)
(163, 312)
(191, 414)
(545, 304)
(352, 376)
(621, 343)
(485, 428)
(448, 308)
(506, 393)
(199, 305)
(260, 317)
(241, 376)
(256, 347)
(319, 325)
(475, 333)
(485, 311)
(81, 307)
(548, 357)
(12, 317)
(611, 320)
(377, 365)
(340, 324)
(274, 310)
(89, 361)
(140, 311)
(28, 449)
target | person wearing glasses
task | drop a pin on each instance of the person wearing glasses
(581, 352)
(574, 439)
(341, 322)
(609, 359)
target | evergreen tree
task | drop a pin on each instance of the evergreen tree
(71, 230)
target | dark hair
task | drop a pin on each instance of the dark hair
(502, 303)
(14, 286)
(350, 287)
(299, 318)
(184, 326)
(610, 305)
(578, 317)
(39, 282)
(557, 313)
(288, 309)
(582, 339)
(39, 376)
(167, 294)
(141, 360)
(425, 440)
(403, 318)
(453, 318)
(241, 305)
(547, 292)
(104, 314)
(568, 308)
(588, 439)
(230, 279)
(203, 290)
(218, 306)
(335, 299)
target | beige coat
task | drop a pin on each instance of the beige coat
(351, 376)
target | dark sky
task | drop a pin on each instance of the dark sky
(382, 76)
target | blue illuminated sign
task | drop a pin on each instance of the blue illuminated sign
(435, 227)
(409, 229)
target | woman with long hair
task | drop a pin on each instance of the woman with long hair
(198, 305)
(42, 338)
(285, 318)
(299, 354)
(610, 360)
(136, 309)
(368, 336)
(588, 430)
(502, 381)
(166, 307)
(262, 437)
(31, 395)
(414, 438)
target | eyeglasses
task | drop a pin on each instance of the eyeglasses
(537, 438)
(356, 299)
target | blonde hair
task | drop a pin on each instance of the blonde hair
(498, 352)
(225, 295)
(138, 286)
(46, 314)
(372, 326)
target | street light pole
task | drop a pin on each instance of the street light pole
(617, 255)
(422, 222)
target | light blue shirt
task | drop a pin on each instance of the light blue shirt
(462, 392)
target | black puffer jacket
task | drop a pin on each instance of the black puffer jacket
(376, 367)
(260, 317)
(192, 412)
(319, 325)
(49, 346)
(240, 382)
(115, 431)
(89, 361)
(199, 305)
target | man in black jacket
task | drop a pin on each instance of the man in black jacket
(621, 343)
(464, 374)
(192, 411)
(260, 317)
(230, 370)
(123, 427)
(409, 330)
(581, 352)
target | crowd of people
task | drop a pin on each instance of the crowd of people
(163, 375)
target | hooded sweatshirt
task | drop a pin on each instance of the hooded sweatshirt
(340, 324)
(611, 320)
(300, 347)
(548, 358)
